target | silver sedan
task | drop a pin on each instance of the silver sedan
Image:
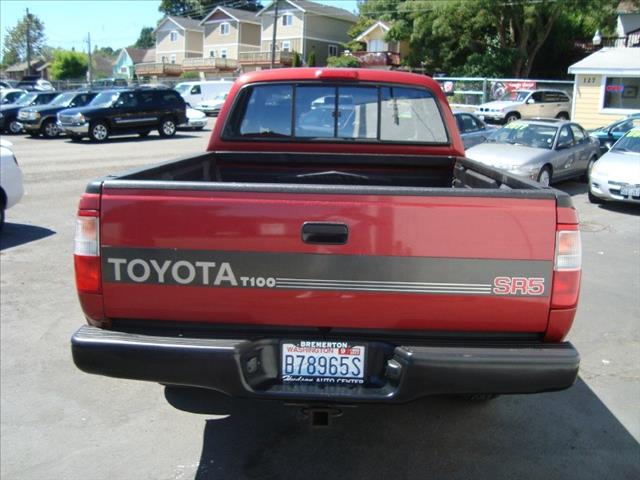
(543, 150)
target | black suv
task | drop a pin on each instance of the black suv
(43, 119)
(9, 113)
(127, 111)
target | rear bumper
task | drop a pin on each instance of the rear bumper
(397, 373)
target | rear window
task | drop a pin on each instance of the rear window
(337, 112)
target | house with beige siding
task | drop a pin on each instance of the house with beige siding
(378, 51)
(301, 26)
(177, 38)
(606, 86)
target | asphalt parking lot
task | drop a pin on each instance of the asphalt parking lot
(59, 423)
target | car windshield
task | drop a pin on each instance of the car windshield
(527, 134)
(104, 99)
(182, 87)
(63, 100)
(630, 143)
(26, 99)
(514, 96)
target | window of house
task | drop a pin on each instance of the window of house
(173, 58)
(287, 20)
(173, 36)
(164, 59)
(124, 69)
(224, 28)
(378, 45)
(621, 93)
(212, 53)
(333, 50)
(223, 53)
(286, 46)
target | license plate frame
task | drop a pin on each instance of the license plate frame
(630, 191)
(302, 373)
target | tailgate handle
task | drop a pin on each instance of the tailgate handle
(325, 233)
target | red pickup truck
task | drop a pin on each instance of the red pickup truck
(332, 245)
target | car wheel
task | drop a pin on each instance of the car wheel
(512, 117)
(98, 132)
(143, 134)
(594, 199)
(167, 127)
(585, 177)
(15, 127)
(50, 129)
(563, 116)
(544, 177)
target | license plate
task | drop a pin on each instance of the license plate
(630, 191)
(331, 362)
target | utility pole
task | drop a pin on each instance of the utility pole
(28, 43)
(273, 42)
(90, 78)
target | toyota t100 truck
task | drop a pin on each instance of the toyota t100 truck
(332, 245)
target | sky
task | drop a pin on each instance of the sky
(112, 23)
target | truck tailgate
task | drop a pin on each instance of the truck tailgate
(370, 260)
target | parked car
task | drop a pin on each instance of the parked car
(109, 84)
(34, 83)
(616, 175)
(9, 112)
(472, 130)
(526, 104)
(199, 91)
(212, 107)
(123, 112)
(196, 119)
(11, 189)
(371, 263)
(43, 119)
(543, 150)
(8, 83)
(610, 134)
(10, 95)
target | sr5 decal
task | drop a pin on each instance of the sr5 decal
(518, 286)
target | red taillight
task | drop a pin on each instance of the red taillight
(86, 252)
(567, 267)
(337, 73)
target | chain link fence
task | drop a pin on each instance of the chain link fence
(466, 93)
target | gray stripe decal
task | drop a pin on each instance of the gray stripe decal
(304, 271)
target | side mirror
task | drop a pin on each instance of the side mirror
(563, 146)
(531, 101)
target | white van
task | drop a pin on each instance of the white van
(199, 91)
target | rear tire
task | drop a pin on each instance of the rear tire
(98, 132)
(511, 117)
(167, 127)
(544, 177)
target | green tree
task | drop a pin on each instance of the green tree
(189, 75)
(15, 40)
(68, 65)
(484, 37)
(311, 58)
(147, 38)
(345, 61)
(297, 60)
(200, 8)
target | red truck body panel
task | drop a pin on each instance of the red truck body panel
(380, 226)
